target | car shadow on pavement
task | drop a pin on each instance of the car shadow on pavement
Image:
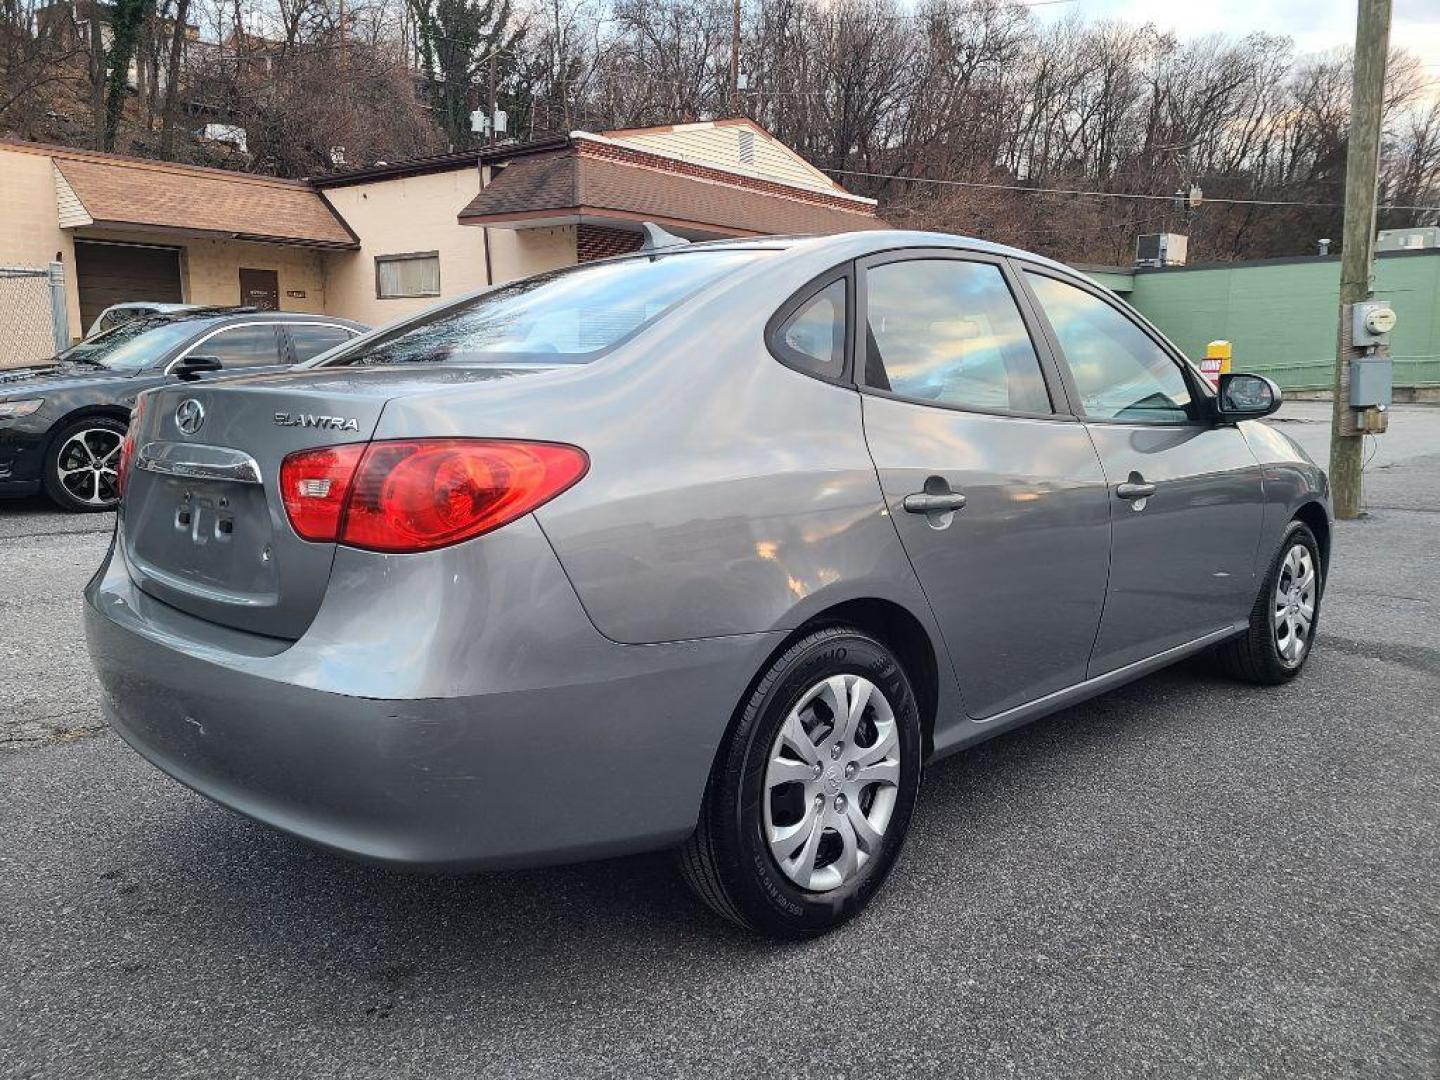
(529, 933)
(32, 515)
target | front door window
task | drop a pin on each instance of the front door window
(243, 346)
(1120, 372)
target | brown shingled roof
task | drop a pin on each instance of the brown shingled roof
(571, 183)
(132, 192)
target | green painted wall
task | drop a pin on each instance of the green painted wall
(1281, 316)
(1117, 281)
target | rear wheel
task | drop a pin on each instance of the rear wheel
(82, 465)
(811, 796)
(1285, 616)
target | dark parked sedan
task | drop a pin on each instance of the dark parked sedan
(61, 422)
(708, 547)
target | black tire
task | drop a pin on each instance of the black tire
(63, 496)
(1255, 656)
(728, 861)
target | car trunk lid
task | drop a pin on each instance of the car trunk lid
(204, 525)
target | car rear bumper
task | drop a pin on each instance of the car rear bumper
(581, 748)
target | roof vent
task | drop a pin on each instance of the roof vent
(747, 146)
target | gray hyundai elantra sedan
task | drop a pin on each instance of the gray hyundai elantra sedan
(710, 548)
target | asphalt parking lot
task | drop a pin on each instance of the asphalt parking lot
(1186, 877)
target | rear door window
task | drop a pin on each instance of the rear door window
(812, 339)
(1119, 370)
(311, 339)
(948, 331)
(253, 345)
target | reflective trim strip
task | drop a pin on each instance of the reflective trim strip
(198, 462)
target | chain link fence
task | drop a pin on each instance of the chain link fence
(34, 324)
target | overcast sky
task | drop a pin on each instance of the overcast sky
(1316, 25)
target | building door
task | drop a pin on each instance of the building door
(108, 274)
(260, 289)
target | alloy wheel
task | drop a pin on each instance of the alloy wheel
(87, 465)
(831, 782)
(1293, 609)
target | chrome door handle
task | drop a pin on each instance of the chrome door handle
(922, 503)
(1132, 490)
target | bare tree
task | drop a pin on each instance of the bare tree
(956, 114)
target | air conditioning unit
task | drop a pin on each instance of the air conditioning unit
(1421, 239)
(1161, 249)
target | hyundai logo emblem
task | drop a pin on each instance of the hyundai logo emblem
(189, 416)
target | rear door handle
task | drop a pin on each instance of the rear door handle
(1133, 490)
(922, 503)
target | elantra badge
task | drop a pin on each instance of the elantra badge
(330, 423)
(189, 416)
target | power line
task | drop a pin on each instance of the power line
(1105, 194)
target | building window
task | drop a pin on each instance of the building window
(416, 273)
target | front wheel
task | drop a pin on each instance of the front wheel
(82, 465)
(1285, 616)
(811, 796)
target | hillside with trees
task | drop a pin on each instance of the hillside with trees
(966, 115)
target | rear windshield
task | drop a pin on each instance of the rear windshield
(567, 316)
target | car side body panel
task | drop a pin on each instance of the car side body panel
(1292, 482)
(1017, 576)
(1183, 560)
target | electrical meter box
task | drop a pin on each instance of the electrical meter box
(1372, 322)
(1370, 382)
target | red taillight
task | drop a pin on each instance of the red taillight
(127, 446)
(420, 494)
(314, 485)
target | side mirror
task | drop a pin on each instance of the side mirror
(1246, 397)
(192, 367)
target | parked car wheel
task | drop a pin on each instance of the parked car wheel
(811, 796)
(81, 466)
(1285, 616)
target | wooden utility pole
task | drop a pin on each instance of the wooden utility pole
(735, 62)
(491, 96)
(1362, 178)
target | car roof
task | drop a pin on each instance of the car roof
(153, 305)
(222, 314)
(854, 245)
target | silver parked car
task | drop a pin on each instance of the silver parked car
(709, 547)
(116, 314)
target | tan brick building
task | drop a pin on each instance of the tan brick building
(379, 243)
